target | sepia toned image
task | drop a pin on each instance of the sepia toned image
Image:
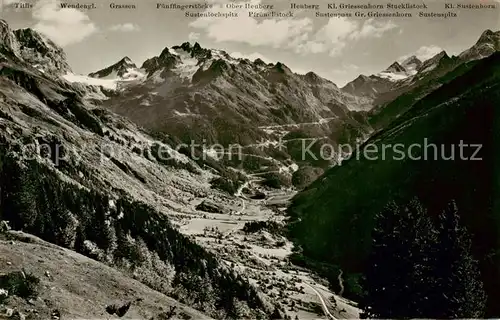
(249, 159)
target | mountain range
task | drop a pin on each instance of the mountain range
(192, 94)
(82, 178)
(205, 94)
(101, 190)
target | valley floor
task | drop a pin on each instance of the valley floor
(263, 256)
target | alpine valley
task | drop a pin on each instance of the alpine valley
(96, 222)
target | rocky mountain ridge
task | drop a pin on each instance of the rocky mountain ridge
(109, 196)
(411, 63)
(487, 44)
(408, 73)
(117, 70)
(376, 84)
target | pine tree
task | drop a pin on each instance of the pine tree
(79, 245)
(460, 289)
(399, 274)
(418, 271)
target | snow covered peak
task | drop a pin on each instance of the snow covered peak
(411, 64)
(368, 86)
(122, 69)
(362, 78)
(394, 72)
(395, 68)
(126, 61)
(313, 77)
(186, 46)
(186, 60)
(196, 51)
(433, 62)
(30, 38)
(281, 67)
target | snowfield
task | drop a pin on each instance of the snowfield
(110, 82)
(105, 83)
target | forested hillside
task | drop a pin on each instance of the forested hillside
(124, 233)
(334, 216)
(79, 177)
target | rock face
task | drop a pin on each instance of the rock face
(487, 44)
(211, 207)
(120, 311)
(190, 70)
(8, 42)
(78, 276)
(33, 48)
(41, 52)
(4, 226)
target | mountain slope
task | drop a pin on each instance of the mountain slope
(77, 286)
(334, 215)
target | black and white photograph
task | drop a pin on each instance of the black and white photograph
(249, 159)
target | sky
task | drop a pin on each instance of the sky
(337, 48)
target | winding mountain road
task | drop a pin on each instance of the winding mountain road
(239, 194)
(323, 303)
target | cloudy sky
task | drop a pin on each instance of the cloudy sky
(336, 48)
